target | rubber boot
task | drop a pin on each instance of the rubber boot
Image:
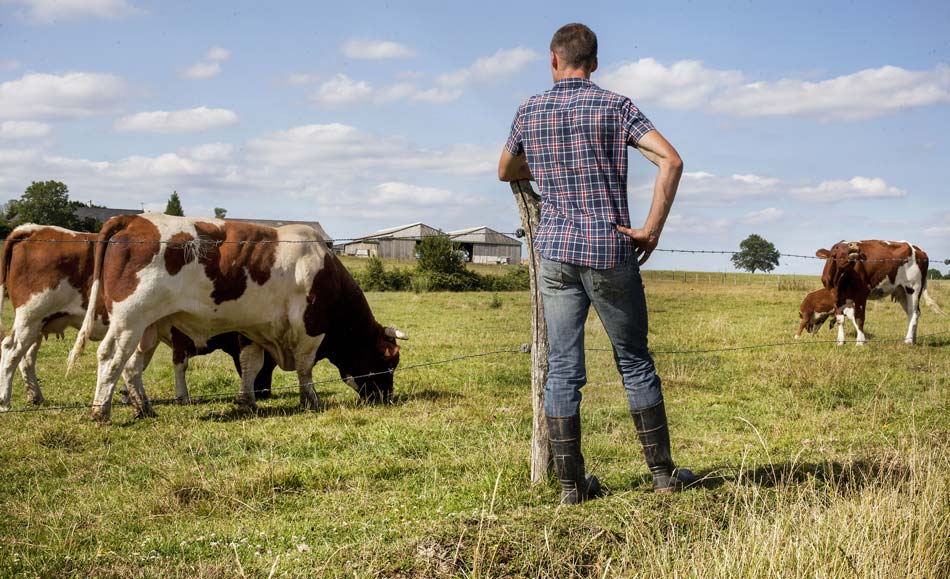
(655, 437)
(565, 436)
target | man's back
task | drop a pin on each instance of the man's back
(575, 138)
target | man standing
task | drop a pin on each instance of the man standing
(573, 141)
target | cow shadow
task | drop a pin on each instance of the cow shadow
(833, 475)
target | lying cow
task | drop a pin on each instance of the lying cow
(281, 288)
(47, 272)
(817, 307)
(888, 268)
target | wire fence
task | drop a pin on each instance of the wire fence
(332, 242)
(522, 349)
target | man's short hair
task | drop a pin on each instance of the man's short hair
(575, 45)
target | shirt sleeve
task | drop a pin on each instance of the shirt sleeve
(514, 145)
(635, 124)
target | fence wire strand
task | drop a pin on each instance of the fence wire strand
(523, 349)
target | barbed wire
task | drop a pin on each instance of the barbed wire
(178, 244)
(523, 349)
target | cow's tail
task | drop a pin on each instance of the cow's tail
(111, 227)
(5, 256)
(932, 303)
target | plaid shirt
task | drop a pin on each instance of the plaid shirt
(575, 138)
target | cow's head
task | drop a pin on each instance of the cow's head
(370, 372)
(843, 257)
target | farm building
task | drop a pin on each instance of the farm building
(394, 243)
(103, 214)
(485, 245)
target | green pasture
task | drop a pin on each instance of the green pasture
(818, 460)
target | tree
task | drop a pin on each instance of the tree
(174, 205)
(934, 273)
(438, 254)
(756, 253)
(220, 212)
(46, 203)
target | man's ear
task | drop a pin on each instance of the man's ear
(554, 60)
(594, 67)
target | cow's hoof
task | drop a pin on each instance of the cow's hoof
(860, 343)
(909, 342)
(262, 394)
(146, 412)
(124, 397)
(245, 404)
(4, 407)
(183, 401)
(35, 400)
(309, 402)
(100, 416)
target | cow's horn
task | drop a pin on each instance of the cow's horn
(395, 334)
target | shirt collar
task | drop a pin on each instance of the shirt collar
(572, 82)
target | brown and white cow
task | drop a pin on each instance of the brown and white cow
(886, 268)
(817, 307)
(47, 272)
(281, 288)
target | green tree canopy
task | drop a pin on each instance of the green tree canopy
(174, 205)
(220, 212)
(438, 254)
(46, 203)
(934, 273)
(756, 253)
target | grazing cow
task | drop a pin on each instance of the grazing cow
(47, 272)
(817, 307)
(885, 268)
(281, 288)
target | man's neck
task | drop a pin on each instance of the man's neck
(571, 73)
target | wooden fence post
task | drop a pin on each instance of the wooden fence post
(528, 206)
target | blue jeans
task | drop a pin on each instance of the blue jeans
(617, 294)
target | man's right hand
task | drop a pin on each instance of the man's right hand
(644, 241)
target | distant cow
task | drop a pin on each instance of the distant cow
(281, 288)
(817, 307)
(47, 272)
(885, 268)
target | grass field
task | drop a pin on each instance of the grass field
(819, 461)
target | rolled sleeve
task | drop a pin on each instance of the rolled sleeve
(635, 123)
(514, 145)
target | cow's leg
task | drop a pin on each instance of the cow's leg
(114, 352)
(912, 308)
(182, 395)
(14, 346)
(840, 317)
(28, 370)
(856, 315)
(265, 378)
(303, 360)
(252, 358)
(135, 367)
(801, 326)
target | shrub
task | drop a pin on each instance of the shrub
(376, 278)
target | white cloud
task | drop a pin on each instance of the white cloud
(299, 78)
(8, 65)
(23, 130)
(184, 121)
(685, 84)
(46, 11)
(865, 94)
(705, 188)
(393, 193)
(341, 90)
(375, 49)
(938, 231)
(72, 95)
(201, 71)
(218, 54)
(503, 63)
(854, 189)
(767, 215)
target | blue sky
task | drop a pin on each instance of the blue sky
(805, 122)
